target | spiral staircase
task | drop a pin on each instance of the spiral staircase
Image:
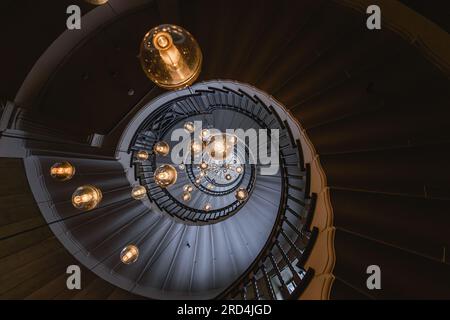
(363, 173)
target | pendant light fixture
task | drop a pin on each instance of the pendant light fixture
(62, 171)
(139, 192)
(170, 57)
(189, 127)
(221, 146)
(129, 254)
(241, 194)
(187, 196)
(97, 2)
(86, 197)
(142, 155)
(161, 148)
(165, 176)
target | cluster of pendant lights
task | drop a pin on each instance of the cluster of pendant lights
(218, 146)
(172, 59)
(88, 197)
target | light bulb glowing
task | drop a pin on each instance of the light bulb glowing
(239, 169)
(198, 181)
(188, 188)
(129, 254)
(196, 147)
(182, 167)
(97, 2)
(142, 155)
(232, 139)
(203, 166)
(221, 146)
(139, 192)
(62, 171)
(162, 148)
(228, 177)
(170, 57)
(189, 127)
(165, 176)
(207, 206)
(205, 134)
(162, 41)
(86, 197)
(186, 196)
(241, 194)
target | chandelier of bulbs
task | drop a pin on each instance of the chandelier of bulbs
(172, 59)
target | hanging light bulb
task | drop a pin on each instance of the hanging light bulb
(139, 192)
(62, 171)
(228, 177)
(165, 176)
(241, 194)
(142, 155)
(239, 169)
(203, 165)
(232, 139)
(170, 57)
(129, 254)
(187, 196)
(86, 197)
(196, 147)
(188, 188)
(207, 206)
(162, 148)
(206, 133)
(97, 2)
(189, 127)
(182, 166)
(221, 146)
(198, 181)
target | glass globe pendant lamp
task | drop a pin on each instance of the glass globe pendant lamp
(221, 146)
(241, 194)
(196, 147)
(142, 155)
(97, 2)
(161, 148)
(186, 196)
(139, 192)
(86, 197)
(189, 127)
(165, 176)
(205, 134)
(129, 254)
(170, 57)
(62, 171)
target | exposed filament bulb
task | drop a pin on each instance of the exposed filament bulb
(170, 55)
(82, 199)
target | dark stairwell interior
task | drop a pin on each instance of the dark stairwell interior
(373, 104)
